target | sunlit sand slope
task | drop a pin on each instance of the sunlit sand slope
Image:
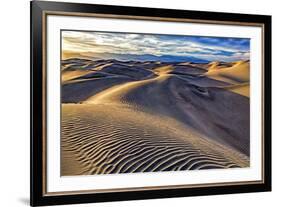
(237, 74)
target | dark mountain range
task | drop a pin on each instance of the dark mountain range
(142, 58)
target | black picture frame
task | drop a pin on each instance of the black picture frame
(38, 98)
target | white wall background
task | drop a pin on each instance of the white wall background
(14, 102)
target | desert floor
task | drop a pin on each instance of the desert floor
(125, 117)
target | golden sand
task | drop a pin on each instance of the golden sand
(130, 117)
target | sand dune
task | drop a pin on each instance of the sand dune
(83, 79)
(237, 73)
(153, 116)
(170, 96)
(115, 139)
(242, 89)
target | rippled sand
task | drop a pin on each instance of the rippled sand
(158, 117)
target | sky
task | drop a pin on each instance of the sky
(225, 49)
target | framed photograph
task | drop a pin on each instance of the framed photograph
(138, 103)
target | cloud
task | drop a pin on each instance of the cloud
(209, 48)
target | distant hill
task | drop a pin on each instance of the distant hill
(162, 58)
(133, 57)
